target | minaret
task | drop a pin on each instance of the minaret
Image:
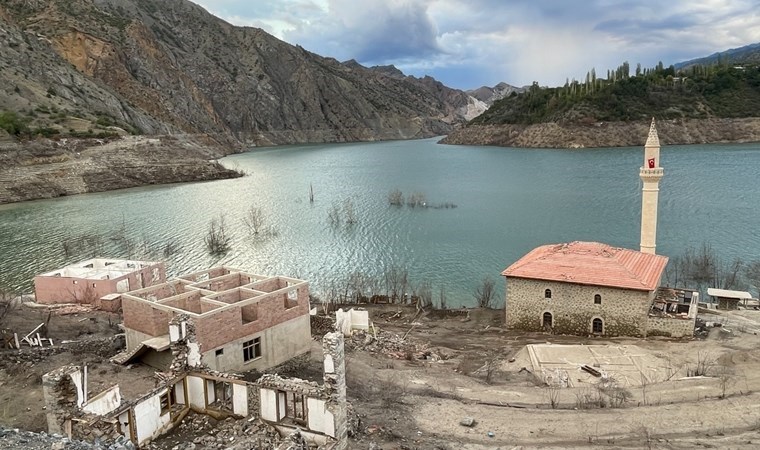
(650, 174)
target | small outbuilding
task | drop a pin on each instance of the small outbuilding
(728, 299)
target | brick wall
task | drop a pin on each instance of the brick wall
(226, 326)
(623, 312)
(144, 318)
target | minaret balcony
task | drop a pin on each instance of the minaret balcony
(655, 173)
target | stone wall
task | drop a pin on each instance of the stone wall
(622, 311)
(670, 327)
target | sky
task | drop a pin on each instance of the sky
(471, 43)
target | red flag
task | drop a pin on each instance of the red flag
(651, 163)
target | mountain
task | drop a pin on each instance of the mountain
(488, 95)
(168, 66)
(122, 93)
(747, 55)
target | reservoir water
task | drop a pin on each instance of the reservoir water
(508, 201)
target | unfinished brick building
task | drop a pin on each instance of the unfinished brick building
(243, 321)
(88, 281)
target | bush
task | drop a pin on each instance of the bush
(13, 124)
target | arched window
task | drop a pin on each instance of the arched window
(597, 326)
(546, 322)
(548, 293)
(597, 299)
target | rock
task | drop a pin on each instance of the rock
(467, 422)
(57, 446)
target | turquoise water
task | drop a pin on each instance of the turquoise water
(508, 202)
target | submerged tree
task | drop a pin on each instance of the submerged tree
(217, 240)
(254, 219)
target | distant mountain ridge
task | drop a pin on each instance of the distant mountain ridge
(748, 54)
(489, 95)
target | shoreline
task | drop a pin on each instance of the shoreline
(608, 134)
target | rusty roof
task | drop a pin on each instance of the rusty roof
(591, 263)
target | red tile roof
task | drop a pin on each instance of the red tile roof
(591, 263)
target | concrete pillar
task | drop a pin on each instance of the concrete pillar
(335, 384)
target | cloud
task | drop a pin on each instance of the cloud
(469, 43)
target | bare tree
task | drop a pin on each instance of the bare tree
(333, 215)
(349, 211)
(254, 219)
(553, 394)
(396, 281)
(396, 198)
(217, 240)
(424, 294)
(416, 199)
(484, 293)
(7, 303)
(752, 273)
(442, 299)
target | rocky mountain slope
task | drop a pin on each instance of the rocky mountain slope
(158, 66)
(93, 72)
(608, 134)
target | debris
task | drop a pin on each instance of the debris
(591, 370)
(491, 434)
(467, 422)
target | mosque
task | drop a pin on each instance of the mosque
(591, 288)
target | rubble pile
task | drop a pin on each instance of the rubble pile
(391, 345)
(16, 439)
(321, 325)
(103, 347)
(201, 431)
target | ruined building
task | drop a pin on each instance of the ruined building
(89, 281)
(317, 413)
(593, 288)
(243, 321)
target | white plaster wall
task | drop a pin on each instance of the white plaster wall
(105, 402)
(179, 393)
(268, 402)
(194, 354)
(320, 419)
(359, 320)
(210, 391)
(135, 338)
(148, 419)
(278, 344)
(76, 378)
(240, 399)
(124, 424)
(174, 332)
(195, 392)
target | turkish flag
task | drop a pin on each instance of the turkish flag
(651, 163)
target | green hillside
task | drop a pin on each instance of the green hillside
(695, 92)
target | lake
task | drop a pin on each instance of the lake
(508, 201)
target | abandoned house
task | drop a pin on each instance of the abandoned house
(318, 411)
(89, 281)
(243, 321)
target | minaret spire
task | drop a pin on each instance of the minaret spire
(650, 174)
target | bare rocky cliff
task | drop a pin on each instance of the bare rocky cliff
(608, 134)
(84, 71)
(168, 66)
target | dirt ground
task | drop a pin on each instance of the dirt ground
(424, 373)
